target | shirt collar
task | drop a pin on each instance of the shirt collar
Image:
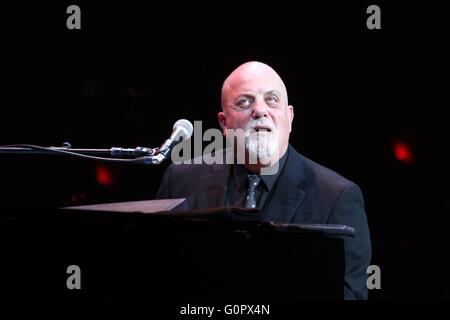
(240, 174)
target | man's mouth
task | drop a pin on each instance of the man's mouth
(262, 129)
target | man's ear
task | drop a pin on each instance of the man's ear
(222, 121)
(291, 116)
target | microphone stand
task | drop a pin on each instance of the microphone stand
(140, 155)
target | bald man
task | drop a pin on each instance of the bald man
(298, 190)
(254, 98)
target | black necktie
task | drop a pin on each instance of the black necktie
(253, 181)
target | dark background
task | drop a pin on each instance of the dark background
(134, 69)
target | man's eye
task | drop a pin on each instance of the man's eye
(243, 103)
(272, 99)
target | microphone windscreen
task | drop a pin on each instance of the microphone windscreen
(186, 128)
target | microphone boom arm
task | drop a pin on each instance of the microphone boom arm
(182, 129)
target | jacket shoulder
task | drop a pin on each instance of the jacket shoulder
(324, 184)
(316, 174)
(324, 176)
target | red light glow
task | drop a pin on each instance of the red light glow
(403, 152)
(104, 176)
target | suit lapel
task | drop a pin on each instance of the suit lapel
(288, 194)
(213, 187)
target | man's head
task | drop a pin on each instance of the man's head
(254, 98)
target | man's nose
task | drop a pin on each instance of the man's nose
(260, 109)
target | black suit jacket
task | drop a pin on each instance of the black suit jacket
(305, 192)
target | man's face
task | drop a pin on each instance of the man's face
(254, 99)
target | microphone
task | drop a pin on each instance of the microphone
(181, 129)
